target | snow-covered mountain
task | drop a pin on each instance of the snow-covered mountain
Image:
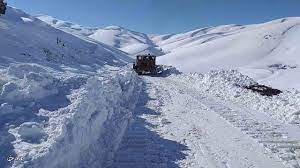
(266, 52)
(67, 26)
(126, 40)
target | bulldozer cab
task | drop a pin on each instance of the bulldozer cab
(2, 7)
(145, 65)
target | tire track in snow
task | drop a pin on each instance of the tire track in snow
(176, 126)
(283, 140)
(142, 146)
(273, 137)
(214, 142)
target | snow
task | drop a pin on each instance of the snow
(131, 42)
(94, 118)
(71, 27)
(177, 125)
(31, 132)
(57, 120)
(220, 123)
(37, 42)
(126, 40)
(62, 97)
(252, 49)
(69, 99)
(228, 85)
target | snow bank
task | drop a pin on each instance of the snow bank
(227, 85)
(52, 120)
(61, 105)
(165, 70)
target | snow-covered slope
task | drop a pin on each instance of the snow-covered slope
(62, 98)
(27, 39)
(267, 52)
(67, 26)
(126, 40)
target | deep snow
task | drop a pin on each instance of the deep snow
(62, 98)
(91, 118)
(67, 98)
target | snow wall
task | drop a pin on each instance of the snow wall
(58, 120)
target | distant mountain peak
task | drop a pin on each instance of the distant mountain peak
(114, 27)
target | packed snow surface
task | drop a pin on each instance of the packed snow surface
(196, 120)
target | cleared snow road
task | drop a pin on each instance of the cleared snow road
(176, 126)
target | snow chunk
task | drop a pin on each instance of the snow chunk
(32, 132)
(25, 19)
(8, 88)
(6, 108)
(232, 77)
(19, 70)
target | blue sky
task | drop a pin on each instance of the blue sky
(161, 16)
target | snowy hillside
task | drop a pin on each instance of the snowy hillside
(67, 26)
(266, 52)
(126, 40)
(26, 39)
(60, 96)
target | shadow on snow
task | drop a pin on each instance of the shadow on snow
(29, 113)
(142, 147)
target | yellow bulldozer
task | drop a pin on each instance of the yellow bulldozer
(145, 65)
